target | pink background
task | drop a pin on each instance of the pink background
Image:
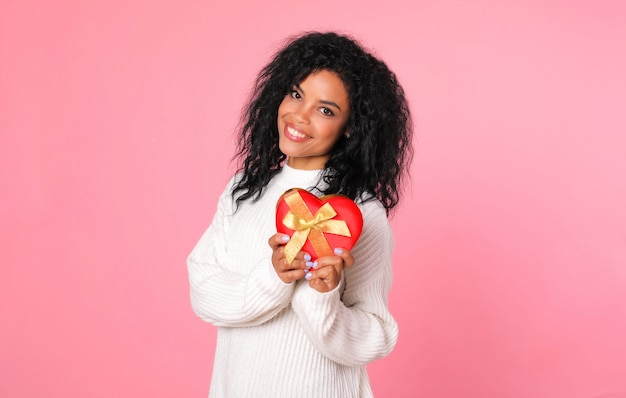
(116, 121)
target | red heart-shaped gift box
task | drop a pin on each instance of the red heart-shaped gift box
(317, 225)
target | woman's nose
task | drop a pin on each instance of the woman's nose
(302, 114)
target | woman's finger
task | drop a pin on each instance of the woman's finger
(323, 279)
(277, 240)
(346, 255)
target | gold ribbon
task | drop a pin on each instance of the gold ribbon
(308, 226)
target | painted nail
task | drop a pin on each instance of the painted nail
(314, 265)
(338, 251)
(307, 257)
(309, 264)
(308, 275)
(285, 238)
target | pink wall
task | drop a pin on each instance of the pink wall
(115, 137)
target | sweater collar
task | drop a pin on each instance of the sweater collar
(299, 178)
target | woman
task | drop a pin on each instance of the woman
(327, 116)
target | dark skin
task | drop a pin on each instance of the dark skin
(324, 277)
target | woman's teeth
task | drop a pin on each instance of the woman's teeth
(296, 133)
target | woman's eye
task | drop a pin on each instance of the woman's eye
(295, 94)
(327, 112)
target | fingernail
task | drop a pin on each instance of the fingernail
(314, 265)
(308, 275)
(338, 251)
(307, 257)
(285, 238)
(309, 264)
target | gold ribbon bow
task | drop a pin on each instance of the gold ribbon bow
(308, 226)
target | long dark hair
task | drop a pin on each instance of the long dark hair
(373, 160)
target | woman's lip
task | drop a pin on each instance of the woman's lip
(294, 134)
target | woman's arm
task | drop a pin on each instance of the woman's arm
(222, 296)
(354, 327)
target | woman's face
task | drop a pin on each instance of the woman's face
(311, 118)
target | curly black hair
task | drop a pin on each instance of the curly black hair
(374, 159)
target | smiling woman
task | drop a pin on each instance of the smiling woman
(328, 117)
(311, 119)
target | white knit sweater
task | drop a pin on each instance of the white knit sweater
(280, 340)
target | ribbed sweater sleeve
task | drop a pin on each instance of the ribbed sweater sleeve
(354, 327)
(219, 293)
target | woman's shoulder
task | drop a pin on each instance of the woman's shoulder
(371, 207)
(226, 197)
(233, 181)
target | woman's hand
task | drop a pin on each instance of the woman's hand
(325, 273)
(287, 272)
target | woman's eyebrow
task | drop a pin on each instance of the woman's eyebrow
(331, 103)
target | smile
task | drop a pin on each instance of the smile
(294, 134)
